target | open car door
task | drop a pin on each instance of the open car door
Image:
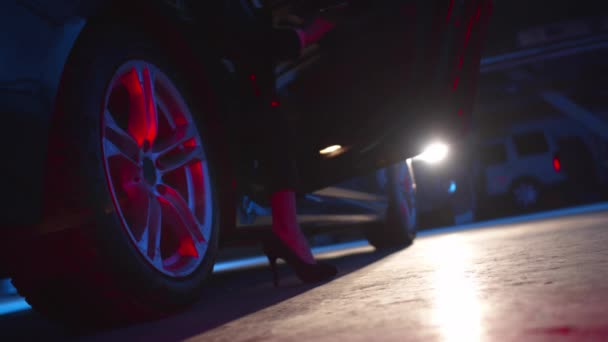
(390, 77)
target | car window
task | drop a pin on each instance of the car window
(530, 143)
(492, 154)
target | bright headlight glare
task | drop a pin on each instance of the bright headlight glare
(434, 153)
(331, 149)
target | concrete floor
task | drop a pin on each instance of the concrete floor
(543, 280)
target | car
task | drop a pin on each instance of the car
(443, 186)
(132, 130)
(534, 159)
(357, 205)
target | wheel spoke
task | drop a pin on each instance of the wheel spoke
(182, 134)
(138, 125)
(136, 206)
(165, 112)
(150, 239)
(204, 196)
(181, 159)
(146, 75)
(189, 223)
(117, 142)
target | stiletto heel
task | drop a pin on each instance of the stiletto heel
(275, 248)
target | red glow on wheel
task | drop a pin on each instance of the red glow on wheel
(198, 174)
(152, 125)
(190, 143)
(131, 82)
(153, 158)
(137, 126)
(187, 248)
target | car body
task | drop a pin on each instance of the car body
(30, 85)
(530, 160)
(134, 130)
(359, 203)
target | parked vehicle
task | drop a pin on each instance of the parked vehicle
(132, 132)
(533, 160)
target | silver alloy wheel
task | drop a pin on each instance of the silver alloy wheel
(156, 169)
(526, 195)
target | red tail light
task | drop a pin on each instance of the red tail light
(557, 164)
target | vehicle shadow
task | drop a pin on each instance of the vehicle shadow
(233, 295)
(228, 296)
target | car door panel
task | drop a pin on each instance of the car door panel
(392, 76)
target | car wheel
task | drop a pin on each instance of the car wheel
(400, 225)
(525, 195)
(130, 147)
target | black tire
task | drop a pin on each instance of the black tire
(400, 226)
(522, 203)
(92, 275)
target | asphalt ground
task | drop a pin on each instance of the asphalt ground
(537, 278)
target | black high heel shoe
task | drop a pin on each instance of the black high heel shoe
(275, 248)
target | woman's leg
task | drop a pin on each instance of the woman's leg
(275, 136)
(283, 177)
(285, 224)
(276, 148)
(283, 164)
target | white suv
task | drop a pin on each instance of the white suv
(533, 158)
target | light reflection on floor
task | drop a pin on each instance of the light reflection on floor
(457, 311)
